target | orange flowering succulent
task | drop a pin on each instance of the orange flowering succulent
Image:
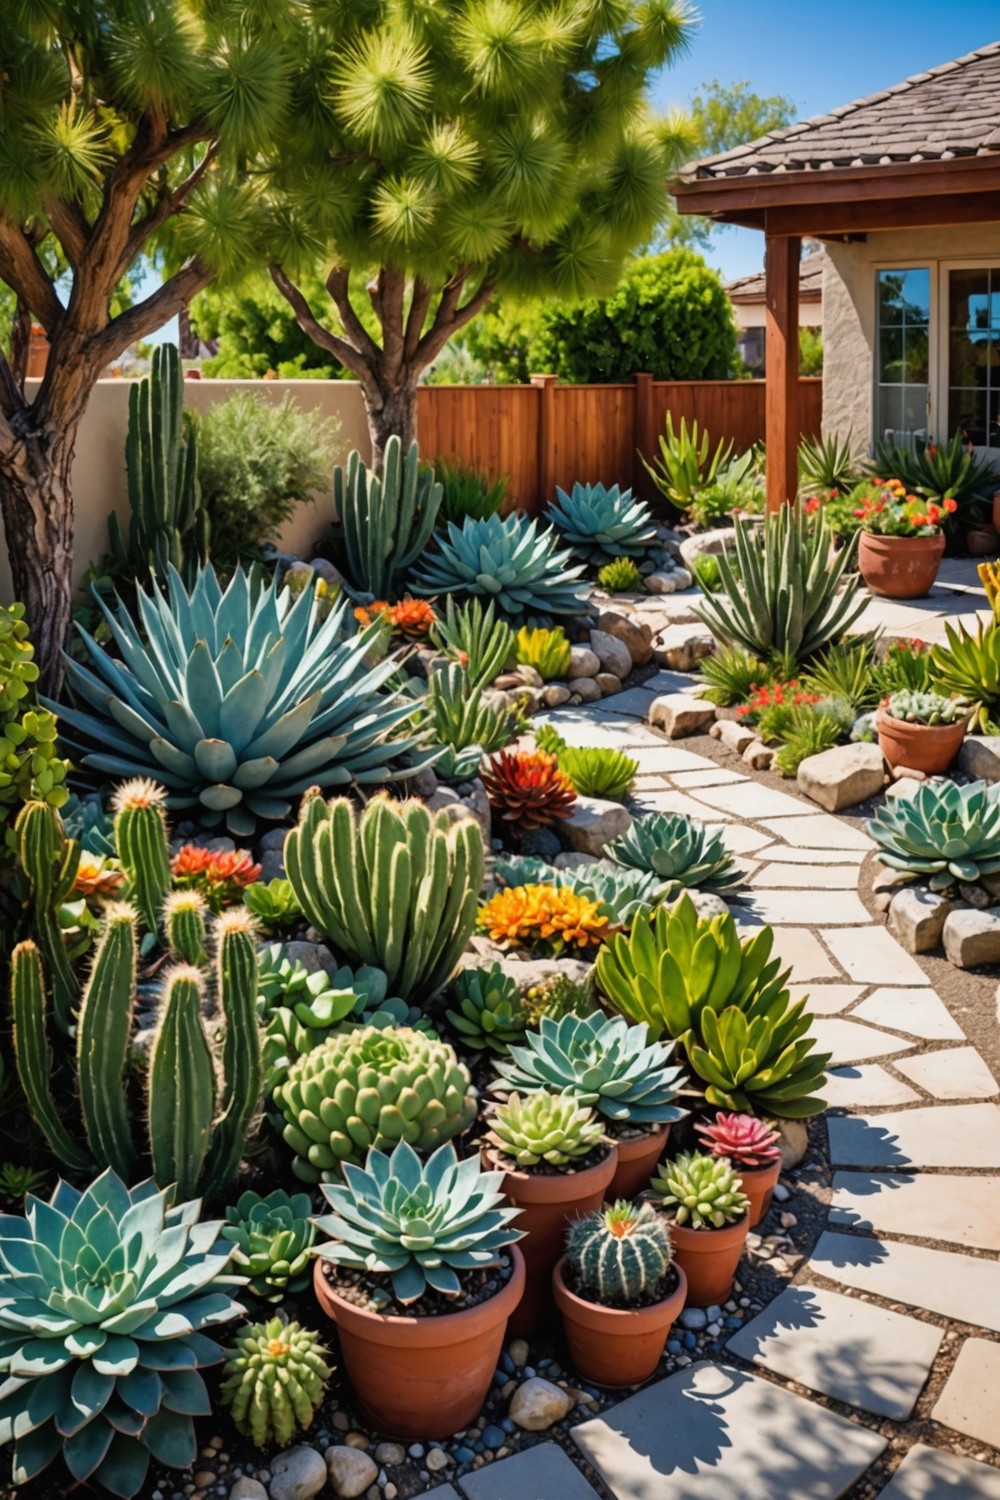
(527, 790)
(412, 617)
(220, 877)
(556, 917)
(97, 876)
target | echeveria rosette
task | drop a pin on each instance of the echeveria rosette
(420, 1223)
(104, 1298)
(945, 831)
(677, 849)
(271, 1240)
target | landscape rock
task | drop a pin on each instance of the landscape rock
(680, 714)
(708, 904)
(506, 681)
(975, 895)
(917, 917)
(527, 972)
(794, 1142)
(908, 787)
(530, 676)
(537, 1404)
(758, 755)
(682, 647)
(555, 694)
(350, 1470)
(663, 583)
(307, 954)
(424, 783)
(613, 654)
(888, 879)
(301, 1472)
(842, 776)
(519, 1352)
(574, 861)
(587, 689)
(734, 734)
(582, 663)
(529, 697)
(972, 937)
(248, 1489)
(390, 1454)
(593, 823)
(636, 637)
(707, 542)
(980, 757)
(608, 683)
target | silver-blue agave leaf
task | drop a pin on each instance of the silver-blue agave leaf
(600, 524)
(511, 561)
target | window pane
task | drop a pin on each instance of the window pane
(973, 360)
(974, 355)
(967, 410)
(904, 296)
(900, 412)
(969, 300)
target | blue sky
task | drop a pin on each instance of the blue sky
(821, 56)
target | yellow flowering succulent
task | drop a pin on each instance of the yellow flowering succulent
(556, 916)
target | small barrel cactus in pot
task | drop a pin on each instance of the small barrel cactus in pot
(543, 1127)
(620, 1256)
(275, 1377)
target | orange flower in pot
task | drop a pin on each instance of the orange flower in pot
(619, 1292)
(923, 731)
(420, 1275)
(902, 541)
(709, 1215)
(754, 1148)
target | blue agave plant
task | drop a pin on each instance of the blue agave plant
(510, 561)
(601, 524)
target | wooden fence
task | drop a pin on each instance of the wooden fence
(544, 434)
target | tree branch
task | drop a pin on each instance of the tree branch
(443, 328)
(420, 301)
(337, 285)
(22, 270)
(167, 205)
(70, 227)
(391, 292)
(350, 357)
(11, 399)
(20, 343)
(149, 314)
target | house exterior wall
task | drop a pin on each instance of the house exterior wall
(849, 311)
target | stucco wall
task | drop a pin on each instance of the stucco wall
(849, 311)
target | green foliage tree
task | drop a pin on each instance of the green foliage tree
(256, 333)
(123, 126)
(449, 152)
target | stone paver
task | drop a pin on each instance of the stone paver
(791, 854)
(951, 1073)
(713, 1433)
(740, 838)
(792, 877)
(544, 1472)
(717, 776)
(801, 951)
(918, 1012)
(970, 1401)
(951, 1135)
(826, 999)
(850, 1042)
(963, 1287)
(819, 831)
(863, 1355)
(783, 908)
(664, 759)
(754, 801)
(672, 801)
(872, 955)
(960, 1210)
(634, 702)
(866, 1086)
(441, 1492)
(930, 1474)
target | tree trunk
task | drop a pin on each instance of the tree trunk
(395, 414)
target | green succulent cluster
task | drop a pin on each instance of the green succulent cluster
(462, 725)
(488, 1012)
(512, 561)
(273, 903)
(679, 850)
(945, 831)
(370, 1088)
(86, 820)
(924, 708)
(31, 768)
(384, 521)
(544, 1127)
(548, 651)
(275, 1377)
(602, 524)
(558, 996)
(704, 1192)
(475, 637)
(598, 772)
(621, 1254)
(419, 1223)
(108, 1297)
(271, 1239)
(620, 576)
(18, 1180)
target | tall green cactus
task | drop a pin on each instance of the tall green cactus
(168, 523)
(242, 1066)
(142, 847)
(385, 521)
(181, 1085)
(184, 926)
(32, 1054)
(50, 861)
(103, 1037)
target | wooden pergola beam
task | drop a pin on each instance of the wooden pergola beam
(781, 354)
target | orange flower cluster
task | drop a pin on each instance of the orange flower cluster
(95, 876)
(887, 508)
(527, 790)
(412, 617)
(774, 695)
(220, 878)
(556, 916)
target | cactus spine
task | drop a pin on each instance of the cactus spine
(50, 861)
(141, 844)
(386, 521)
(181, 1086)
(184, 925)
(622, 1253)
(103, 1035)
(242, 1067)
(31, 1052)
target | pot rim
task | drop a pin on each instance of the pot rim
(554, 1187)
(613, 1320)
(894, 725)
(878, 538)
(431, 1331)
(637, 1145)
(754, 1173)
(723, 1237)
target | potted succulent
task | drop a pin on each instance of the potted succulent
(923, 731)
(902, 540)
(709, 1217)
(619, 1292)
(611, 1065)
(420, 1275)
(557, 1163)
(754, 1148)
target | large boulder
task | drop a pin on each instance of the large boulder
(636, 637)
(682, 647)
(972, 937)
(680, 714)
(613, 654)
(593, 823)
(707, 542)
(842, 776)
(980, 757)
(917, 917)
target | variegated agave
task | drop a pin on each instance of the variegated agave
(600, 524)
(104, 1296)
(677, 849)
(237, 700)
(510, 561)
(946, 831)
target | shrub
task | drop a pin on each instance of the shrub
(809, 731)
(846, 671)
(467, 492)
(905, 665)
(519, 565)
(939, 470)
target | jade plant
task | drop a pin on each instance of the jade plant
(274, 1380)
(702, 1192)
(487, 1010)
(544, 1127)
(678, 850)
(419, 1225)
(271, 1239)
(620, 1255)
(947, 832)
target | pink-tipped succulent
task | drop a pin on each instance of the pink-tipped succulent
(747, 1141)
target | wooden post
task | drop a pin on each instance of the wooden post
(781, 353)
(546, 440)
(643, 436)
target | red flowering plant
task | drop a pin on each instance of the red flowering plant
(886, 508)
(221, 877)
(410, 617)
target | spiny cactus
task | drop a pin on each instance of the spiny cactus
(141, 842)
(103, 1037)
(184, 915)
(275, 1377)
(544, 1127)
(489, 1011)
(621, 1254)
(271, 1239)
(49, 861)
(704, 1192)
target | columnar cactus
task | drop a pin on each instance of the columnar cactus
(385, 521)
(184, 925)
(704, 1192)
(141, 842)
(103, 1037)
(50, 861)
(181, 1083)
(621, 1254)
(274, 1380)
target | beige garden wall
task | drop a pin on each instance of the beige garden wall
(99, 469)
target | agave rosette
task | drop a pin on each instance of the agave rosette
(677, 849)
(601, 524)
(511, 561)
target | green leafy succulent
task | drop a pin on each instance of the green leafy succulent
(678, 850)
(544, 1127)
(18, 1180)
(475, 637)
(519, 566)
(488, 1011)
(275, 1378)
(459, 720)
(273, 903)
(601, 524)
(924, 708)
(704, 1192)
(271, 1239)
(548, 651)
(598, 772)
(946, 831)
(621, 576)
(731, 674)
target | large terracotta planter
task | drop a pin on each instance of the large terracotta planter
(612, 1345)
(900, 567)
(758, 1183)
(547, 1204)
(421, 1377)
(637, 1159)
(708, 1258)
(922, 747)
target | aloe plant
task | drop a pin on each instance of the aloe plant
(598, 772)
(461, 722)
(511, 561)
(384, 521)
(475, 637)
(968, 667)
(686, 463)
(948, 832)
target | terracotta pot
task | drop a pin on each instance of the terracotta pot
(758, 1184)
(982, 541)
(547, 1204)
(922, 747)
(900, 567)
(611, 1345)
(421, 1377)
(708, 1258)
(637, 1159)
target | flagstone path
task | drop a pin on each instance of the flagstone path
(814, 1402)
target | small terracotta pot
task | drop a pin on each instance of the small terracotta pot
(637, 1159)
(982, 541)
(613, 1345)
(421, 1377)
(758, 1184)
(547, 1204)
(900, 567)
(922, 747)
(708, 1258)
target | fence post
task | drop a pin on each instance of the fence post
(643, 437)
(546, 385)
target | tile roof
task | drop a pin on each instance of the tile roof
(951, 111)
(752, 288)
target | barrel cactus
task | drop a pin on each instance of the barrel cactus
(543, 1127)
(601, 524)
(487, 1010)
(512, 561)
(703, 1192)
(275, 1377)
(271, 1239)
(371, 1088)
(620, 1255)
(107, 1301)
(238, 699)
